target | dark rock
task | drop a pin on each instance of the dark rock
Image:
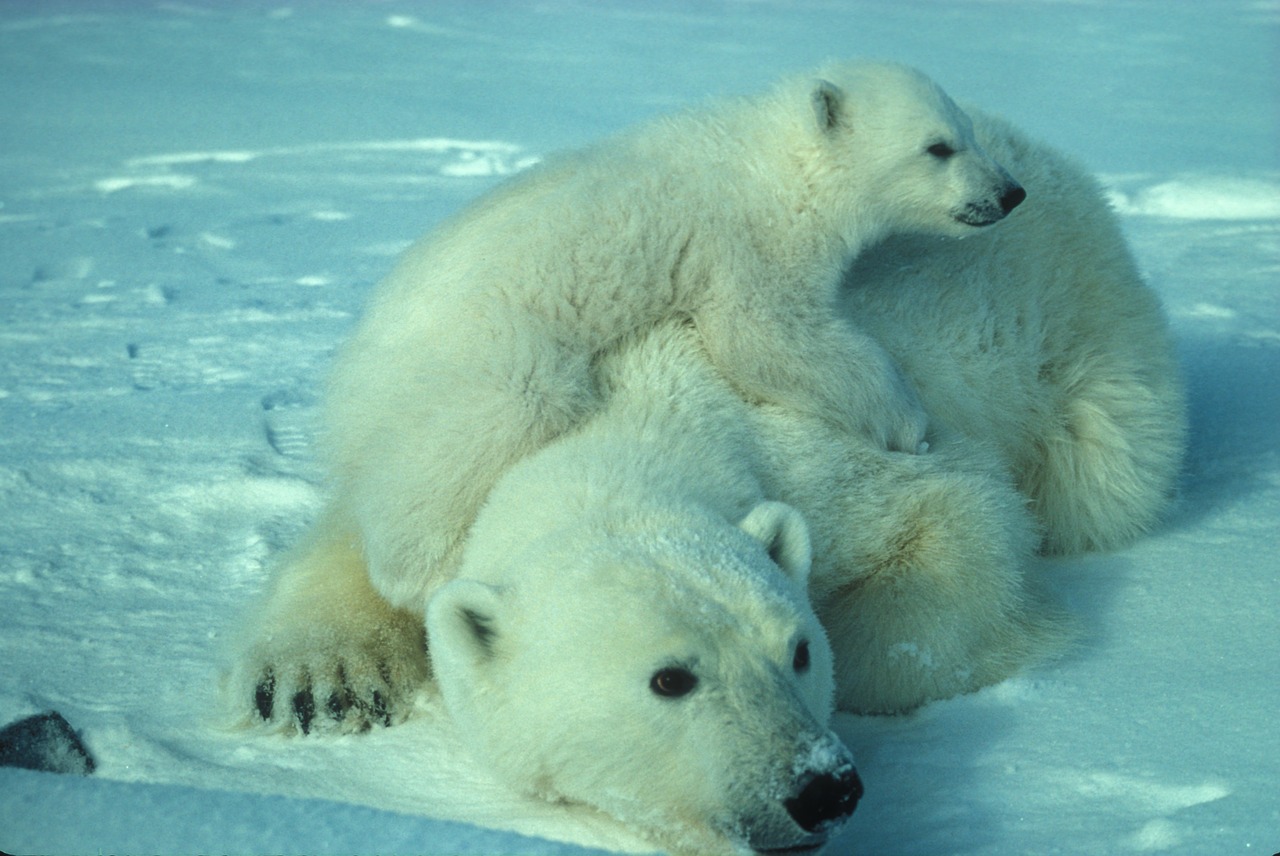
(45, 741)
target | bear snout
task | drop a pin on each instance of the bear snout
(1012, 198)
(993, 208)
(825, 800)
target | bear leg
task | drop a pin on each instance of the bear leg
(1107, 464)
(919, 562)
(324, 652)
(418, 447)
(931, 600)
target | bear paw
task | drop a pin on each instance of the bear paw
(876, 402)
(315, 687)
(896, 420)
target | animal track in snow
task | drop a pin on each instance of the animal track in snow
(286, 422)
(200, 363)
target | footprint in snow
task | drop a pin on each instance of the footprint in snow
(287, 424)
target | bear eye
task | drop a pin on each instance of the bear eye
(673, 682)
(941, 151)
(800, 662)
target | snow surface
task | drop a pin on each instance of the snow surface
(196, 196)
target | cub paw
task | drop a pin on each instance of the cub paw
(898, 421)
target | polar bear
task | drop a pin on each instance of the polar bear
(682, 625)
(683, 631)
(478, 348)
(1046, 365)
(1041, 337)
(1056, 424)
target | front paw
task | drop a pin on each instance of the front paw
(900, 423)
(315, 683)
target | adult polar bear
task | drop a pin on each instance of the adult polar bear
(1056, 420)
(478, 348)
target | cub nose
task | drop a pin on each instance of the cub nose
(825, 799)
(1012, 198)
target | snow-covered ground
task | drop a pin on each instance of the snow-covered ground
(196, 196)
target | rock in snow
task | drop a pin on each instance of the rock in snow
(46, 742)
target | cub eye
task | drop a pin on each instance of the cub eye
(673, 682)
(801, 660)
(941, 151)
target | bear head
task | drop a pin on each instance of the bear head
(667, 671)
(890, 152)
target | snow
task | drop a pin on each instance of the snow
(194, 199)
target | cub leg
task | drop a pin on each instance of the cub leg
(801, 357)
(421, 434)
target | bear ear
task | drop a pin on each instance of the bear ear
(785, 537)
(828, 102)
(463, 621)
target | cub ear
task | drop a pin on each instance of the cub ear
(463, 625)
(785, 537)
(828, 102)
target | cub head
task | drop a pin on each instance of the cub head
(892, 153)
(670, 673)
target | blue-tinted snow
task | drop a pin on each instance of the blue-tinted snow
(194, 198)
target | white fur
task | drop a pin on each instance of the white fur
(478, 348)
(322, 646)
(655, 530)
(645, 541)
(1057, 424)
(1040, 337)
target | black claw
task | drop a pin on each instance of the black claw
(342, 698)
(379, 711)
(339, 703)
(304, 710)
(264, 696)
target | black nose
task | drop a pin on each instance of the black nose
(1012, 198)
(825, 799)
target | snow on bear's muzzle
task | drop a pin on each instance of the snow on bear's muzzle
(994, 209)
(823, 793)
(826, 800)
(1002, 194)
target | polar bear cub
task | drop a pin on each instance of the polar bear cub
(479, 347)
